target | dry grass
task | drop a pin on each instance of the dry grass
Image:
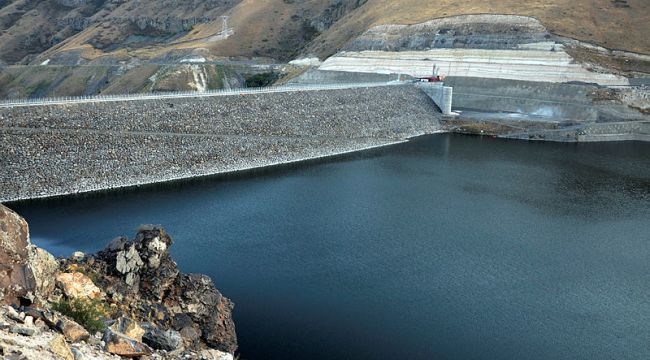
(273, 28)
(617, 63)
(599, 21)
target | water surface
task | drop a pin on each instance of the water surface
(447, 247)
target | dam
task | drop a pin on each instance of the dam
(64, 146)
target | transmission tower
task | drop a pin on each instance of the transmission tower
(224, 29)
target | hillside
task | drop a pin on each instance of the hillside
(73, 31)
(616, 24)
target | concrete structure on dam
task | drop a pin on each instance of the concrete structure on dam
(78, 147)
(440, 94)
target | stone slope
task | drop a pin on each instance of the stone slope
(34, 31)
(62, 149)
(456, 32)
(482, 46)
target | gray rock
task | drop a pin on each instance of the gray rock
(44, 266)
(189, 334)
(78, 355)
(117, 244)
(13, 314)
(128, 262)
(16, 278)
(169, 340)
(181, 321)
(123, 345)
(212, 354)
(23, 330)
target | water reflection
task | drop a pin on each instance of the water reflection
(447, 247)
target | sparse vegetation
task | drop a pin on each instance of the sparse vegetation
(36, 89)
(89, 313)
(216, 74)
(261, 80)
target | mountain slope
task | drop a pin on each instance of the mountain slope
(616, 24)
(110, 31)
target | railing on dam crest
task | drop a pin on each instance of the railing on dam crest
(190, 94)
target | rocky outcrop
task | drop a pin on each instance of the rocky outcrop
(132, 290)
(333, 12)
(122, 345)
(59, 347)
(76, 23)
(458, 32)
(17, 282)
(76, 285)
(44, 267)
(141, 275)
(168, 24)
(128, 327)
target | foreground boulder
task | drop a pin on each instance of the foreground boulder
(181, 310)
(122, 345)
(76, 285)
(128, 327)
(168, 340)
(59, 347)
(17, 283)
(45, 268)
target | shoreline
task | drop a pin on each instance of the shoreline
(277, 165)
(64, 150)
(241, 170)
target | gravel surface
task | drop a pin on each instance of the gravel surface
(63, 149)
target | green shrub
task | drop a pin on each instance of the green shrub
(263, 79)
(87, 312)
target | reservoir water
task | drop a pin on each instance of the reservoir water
(446, 247)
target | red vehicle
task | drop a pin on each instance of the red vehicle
(434, 78)
(431, 78)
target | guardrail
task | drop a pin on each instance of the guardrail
(188, 94)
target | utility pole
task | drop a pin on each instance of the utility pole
(224, 31)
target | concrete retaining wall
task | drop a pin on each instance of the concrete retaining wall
(539, 65)
(557, 101)
(575, 102)
(440, 94)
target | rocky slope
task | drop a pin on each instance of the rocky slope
(138, 46)
(128, 300)
(485, 46)
(63, 149)
(31, 27)
(619, 24)
(18, 82)
(72, 31)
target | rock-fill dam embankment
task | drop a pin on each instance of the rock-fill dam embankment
(62, 149)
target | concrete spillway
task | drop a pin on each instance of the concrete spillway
(69, 148)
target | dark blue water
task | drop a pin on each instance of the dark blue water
(448, 247)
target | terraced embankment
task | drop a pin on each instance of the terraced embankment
(61, 149)
(487, 46)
